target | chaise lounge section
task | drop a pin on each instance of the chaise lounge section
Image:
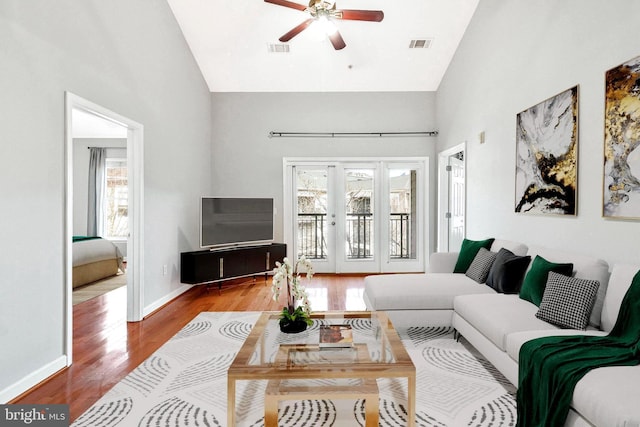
(427, 298)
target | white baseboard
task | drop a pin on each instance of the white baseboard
(164, 300)
(33, 379)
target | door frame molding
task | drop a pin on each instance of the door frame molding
(135, 244)
(443, 193)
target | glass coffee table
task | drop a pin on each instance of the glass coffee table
(375, 351)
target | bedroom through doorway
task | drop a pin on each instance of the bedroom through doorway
(103, 208)
(100, 206)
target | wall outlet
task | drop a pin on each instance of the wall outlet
(165, 270)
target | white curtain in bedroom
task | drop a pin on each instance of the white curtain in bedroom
(95, 211)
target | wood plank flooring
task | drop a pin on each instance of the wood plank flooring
(106, 348)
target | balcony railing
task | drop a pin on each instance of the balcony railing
(312, 242)
(359, 239)
(400, 236)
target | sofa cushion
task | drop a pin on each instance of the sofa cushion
(479, 268)
(497, 315)
(430, 291)
(567, 302)
(507, 271)
(604, 396)
(442, 262)
(621, 277)
(516, 339)
(468, 252)
(584, 267)
(536, 279)
(609, 396)
(517, 248)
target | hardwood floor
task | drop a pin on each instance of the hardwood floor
(106, 348)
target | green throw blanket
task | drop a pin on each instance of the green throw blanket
(83, 238)
(550, 367)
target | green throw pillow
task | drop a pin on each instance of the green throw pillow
(535, 281)
(468, 252)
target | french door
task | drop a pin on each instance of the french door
(361, 216)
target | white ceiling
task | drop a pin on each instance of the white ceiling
(88, 125)
(230, 42)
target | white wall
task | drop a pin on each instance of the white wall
(246, 162)
(130, 57)
(515, 54)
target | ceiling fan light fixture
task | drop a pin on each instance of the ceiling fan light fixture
(326, 25)
(321, 14)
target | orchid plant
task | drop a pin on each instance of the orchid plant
(286, 274)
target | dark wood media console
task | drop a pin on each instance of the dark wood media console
(208, 267)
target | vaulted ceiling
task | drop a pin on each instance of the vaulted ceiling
(236, 46)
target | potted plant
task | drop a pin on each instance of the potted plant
(295, 316)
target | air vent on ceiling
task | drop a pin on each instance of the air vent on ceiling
(420, 43)
(278, 48)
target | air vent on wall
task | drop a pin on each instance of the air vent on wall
(420, 43)
(278, 48)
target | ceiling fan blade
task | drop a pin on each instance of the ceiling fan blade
(336, 40)
(360, 15)
(286, 3)
(295, 31)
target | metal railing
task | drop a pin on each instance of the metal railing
(312, 242)
(400, 236)
(359, 237)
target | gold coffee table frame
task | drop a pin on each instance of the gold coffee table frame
(257, 358)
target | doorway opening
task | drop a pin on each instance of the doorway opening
(78, 110)
(451, 198)
(100, 206)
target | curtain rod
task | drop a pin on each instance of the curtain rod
(124, 148)
(275, 134)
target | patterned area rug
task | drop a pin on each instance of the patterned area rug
(184, 384)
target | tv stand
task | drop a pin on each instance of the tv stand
(208, 267)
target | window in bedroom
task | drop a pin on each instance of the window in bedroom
(116, 199)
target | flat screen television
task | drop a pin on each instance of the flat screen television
(226, 221)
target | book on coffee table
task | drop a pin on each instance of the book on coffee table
(336, 336)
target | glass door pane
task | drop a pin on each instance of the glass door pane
(313, 228)
(359, 238)
(402, 213)
(359, 213)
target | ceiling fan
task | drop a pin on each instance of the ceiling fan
(324, 11)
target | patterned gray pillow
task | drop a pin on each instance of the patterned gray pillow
(481, 264)
(567, 301)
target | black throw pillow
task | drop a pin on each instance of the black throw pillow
(507, 272)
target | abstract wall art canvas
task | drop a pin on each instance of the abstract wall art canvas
(546, 156)
(621, 185)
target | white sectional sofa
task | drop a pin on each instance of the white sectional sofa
(498, 324)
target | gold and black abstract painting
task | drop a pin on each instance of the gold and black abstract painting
(546, 156)
(621, 189)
